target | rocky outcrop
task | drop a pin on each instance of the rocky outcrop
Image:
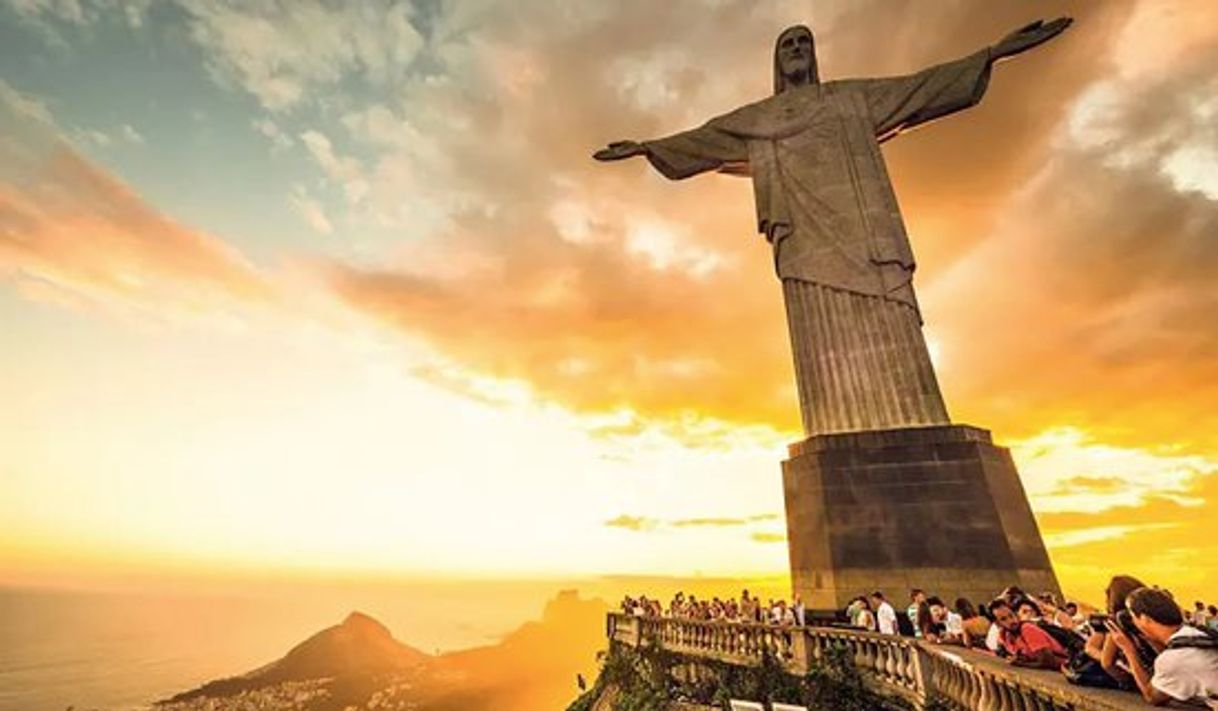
(359, 647)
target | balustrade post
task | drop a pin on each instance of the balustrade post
(975, 685)
(1021, 700)
(1036, 702)
(921, 675)
(989, 694)
(801, 652)
(860, 653)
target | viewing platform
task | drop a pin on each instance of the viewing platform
(902, 668)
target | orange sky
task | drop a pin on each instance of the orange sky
(405, 325)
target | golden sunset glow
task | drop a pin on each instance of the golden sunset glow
(371, 310)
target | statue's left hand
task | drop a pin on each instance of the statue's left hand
(1030, 36)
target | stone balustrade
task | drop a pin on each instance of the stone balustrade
(735, 643)
(914, 671)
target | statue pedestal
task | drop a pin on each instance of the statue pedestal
(939, 508)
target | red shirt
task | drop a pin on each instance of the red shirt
(1028, 639)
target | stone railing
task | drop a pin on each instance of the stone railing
(894, 666)
(736, 643)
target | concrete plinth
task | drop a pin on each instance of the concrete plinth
(939, 508)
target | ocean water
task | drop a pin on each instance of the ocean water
(120, 651)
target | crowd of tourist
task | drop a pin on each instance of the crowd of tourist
(748, 608)
(1142, 641)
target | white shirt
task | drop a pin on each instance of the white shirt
(887, 618)
(954, 624)
(993, 638)
(1188, 674)
(866, 620)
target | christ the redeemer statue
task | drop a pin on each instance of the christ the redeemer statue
(826, 204)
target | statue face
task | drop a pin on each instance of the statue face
(796, 54)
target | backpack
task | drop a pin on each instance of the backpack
(1208, 640)
(1079, 669)
(1071, 642)
(1082, 670)
(904, 624)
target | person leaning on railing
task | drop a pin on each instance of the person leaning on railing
(885, 616)
(1052, 611)
(1025, 644)
(949, 625)
(976, 626)
(860, 614)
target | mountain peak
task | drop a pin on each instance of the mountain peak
(359, 646)
(358, 622)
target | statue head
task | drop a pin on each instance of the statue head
(794, 59)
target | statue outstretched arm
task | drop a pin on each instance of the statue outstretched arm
(899, 103)
(685, 154)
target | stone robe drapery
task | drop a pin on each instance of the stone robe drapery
(826, 204)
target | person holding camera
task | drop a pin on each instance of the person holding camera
(1187, 668)
(1101, 645)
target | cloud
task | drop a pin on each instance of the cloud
(533, 264)
(95, 137)
(652, 525)
(268, 128)
(603, 287)
(1165, 540)
(69, 231)
(763, 537)
(1095, 304)
(1066, 539)
(343, 170)
(708, 522)
(1066, 469)
(77, 12)
(311, 210)
(286, 53)
(1106, 509)
(719, 522)
(632, 523)
(1089, 484)
(645, 524)
(131, 135)
(72, 11)
(1064, 228)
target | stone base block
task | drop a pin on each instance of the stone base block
(939, 508)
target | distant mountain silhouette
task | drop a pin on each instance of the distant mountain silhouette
(531, 669)
(359, 647)
(359, 664)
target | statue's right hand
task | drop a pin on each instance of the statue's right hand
(619, 150)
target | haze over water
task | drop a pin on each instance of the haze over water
(123, 650)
